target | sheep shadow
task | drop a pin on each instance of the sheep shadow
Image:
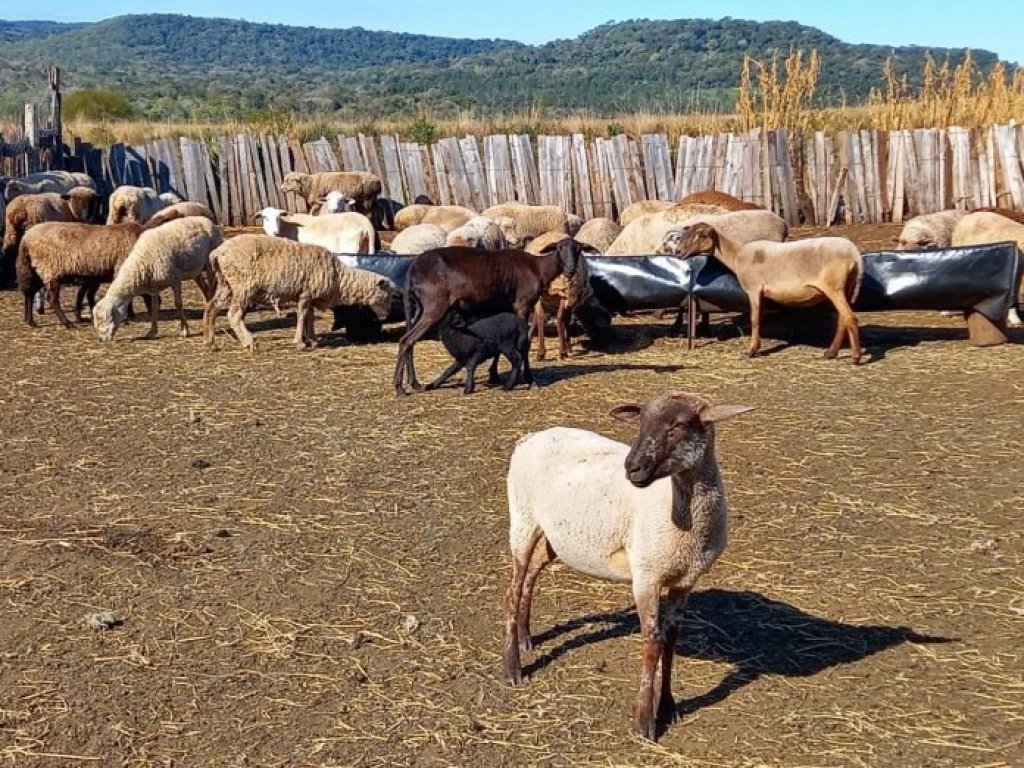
(758, 636)
(547, 375)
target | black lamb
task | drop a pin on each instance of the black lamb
(473, 341)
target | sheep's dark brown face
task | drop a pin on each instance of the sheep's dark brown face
(676, 432)
(569, 256)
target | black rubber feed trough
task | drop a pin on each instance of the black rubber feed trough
(981, 278)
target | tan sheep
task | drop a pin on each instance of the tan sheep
(362, 186)
(800, 273)
(26, 211)
(986, 227)
(929, 230)
(161, 258)
(254, 269)
(534, 220)
(419, 238)
(479, 232)
(598, 233)
(179, 211)
(644, 235)
(634, 211)
(564, 294)
(410, 216)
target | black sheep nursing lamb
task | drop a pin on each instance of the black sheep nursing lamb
(472, 341)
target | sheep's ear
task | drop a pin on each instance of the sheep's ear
(712, 413)
(629, 413)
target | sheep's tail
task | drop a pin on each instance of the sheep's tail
(855, 278)
(28, 279)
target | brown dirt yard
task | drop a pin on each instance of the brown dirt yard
(310, 571)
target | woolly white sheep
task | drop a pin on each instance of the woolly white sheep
(929, 230)
(598, 233)
(480, 232)
(419, 238)
(987, 227)
(161, 258)
(138, 204)
(643, 235)
(653, 514)
(259, 269)
(534, 220)
(349, 232)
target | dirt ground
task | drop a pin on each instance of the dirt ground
(309, 571)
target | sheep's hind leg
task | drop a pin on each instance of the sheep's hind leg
(521, 557)
(755, 323)
(301, 314)
(154, 313)
(404, 363)
(644, 720)
(179, 305)
(471, 365)
(517, 368)
(309, 328)
(543, 556)
(562, 324)
(845, 326)
(674, 605)
(537, 327)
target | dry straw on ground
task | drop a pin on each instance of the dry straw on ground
(265, 525)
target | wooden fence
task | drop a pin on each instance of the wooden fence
(870, 175)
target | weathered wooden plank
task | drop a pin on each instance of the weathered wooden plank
(371, 161)
(604, 201)
(275, 177)
(1010, 162)
(474, 173)
(242, 177)
(791, 207)
(393, 169)
(581, 176)
(498, 168)
(462, 193)
(230, 165)
(213, 196)
(621, 189)
(412, 169)
(443, 190)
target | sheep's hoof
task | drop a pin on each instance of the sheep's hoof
(416, 386)
(856, 360)
(400, 392)
(68, 325)
(183, 333)
(646, 726)
(830, 354)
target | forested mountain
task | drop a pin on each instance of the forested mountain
(177, 66)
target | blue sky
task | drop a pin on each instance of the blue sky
(989, 24)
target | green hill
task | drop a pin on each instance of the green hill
(178, 66)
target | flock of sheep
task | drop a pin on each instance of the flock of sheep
(604, 508)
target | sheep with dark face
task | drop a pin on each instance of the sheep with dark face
(653, 514)
(471, 342)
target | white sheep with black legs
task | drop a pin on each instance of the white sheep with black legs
(653, 514)
(161, 258)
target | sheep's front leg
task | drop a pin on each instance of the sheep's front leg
(673, 610)
(154, 313)
(236, 318)
(562, 323)
(755, 323)
(450, 371)
(309, 328)
(513, 599)
(644, 721)
(543, 556)
(179, 305)
(301, 311)
(53, 296)
(539, 318)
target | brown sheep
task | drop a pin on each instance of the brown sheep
(719, 199)
(26, 211)
(799, 273)
(453, 276)
(362, 186)
(563, 296)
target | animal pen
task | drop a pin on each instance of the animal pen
(866, 176)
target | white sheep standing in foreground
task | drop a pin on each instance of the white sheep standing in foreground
(161, 258)
(653, 514)
(348, 232)
(983, 227)
(252, 269)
